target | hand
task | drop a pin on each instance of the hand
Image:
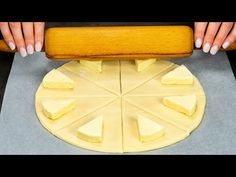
(27, 37)
(212, 35)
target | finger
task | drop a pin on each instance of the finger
(18, 37)
(38, 35)
(28, 31)
(212, 30)
(231, 38)
(6, 32)
(222, 34)
(199, 32)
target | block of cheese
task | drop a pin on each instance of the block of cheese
(148, 129)
(143, 64)
(92, 65)
(92, 131)
(54, 109)
(56, 79)
(184, 104)
(180, 75)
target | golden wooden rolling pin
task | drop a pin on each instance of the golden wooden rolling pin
(125, 42)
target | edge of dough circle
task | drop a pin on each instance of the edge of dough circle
(120, 106)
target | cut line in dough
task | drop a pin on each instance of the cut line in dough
(131, 79)
(109, 79)
(112, 130)
(131, 141)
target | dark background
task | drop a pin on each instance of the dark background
(7, 58)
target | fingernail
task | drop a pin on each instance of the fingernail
(206, 48)
(23, 52)
(225, 45)
(198, 43)
(11, 45)
(30, 49)
(214, 50)
(38, 47)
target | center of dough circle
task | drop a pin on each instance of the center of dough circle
(112, 100)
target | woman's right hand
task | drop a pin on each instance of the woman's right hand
(26, 37)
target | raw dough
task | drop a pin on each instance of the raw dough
(84, 106)
(154, 106)
(109, 79)
(131, 141)
(112, 130)
(119, 94)
(132, 79)
(83, 88)
(154, 87)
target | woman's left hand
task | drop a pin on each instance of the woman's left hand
(211, 36)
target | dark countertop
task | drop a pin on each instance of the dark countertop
(5, 67)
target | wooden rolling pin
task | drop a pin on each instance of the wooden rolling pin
(124, 42)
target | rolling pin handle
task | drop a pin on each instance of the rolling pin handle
(5, 48)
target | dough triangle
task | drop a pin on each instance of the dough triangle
(109, 78)
(112, 130)
(154, 106)
(83, 88)
(83, 107)
(131, 140)
(154, 87)
(132, 79)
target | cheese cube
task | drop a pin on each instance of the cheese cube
(54, 109)
(148, 129)
(180, 75)
(92, 131)
(56, 79)
(143, 64)
(92, 65)
(184, 104)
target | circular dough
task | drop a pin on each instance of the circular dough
(119, 93)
